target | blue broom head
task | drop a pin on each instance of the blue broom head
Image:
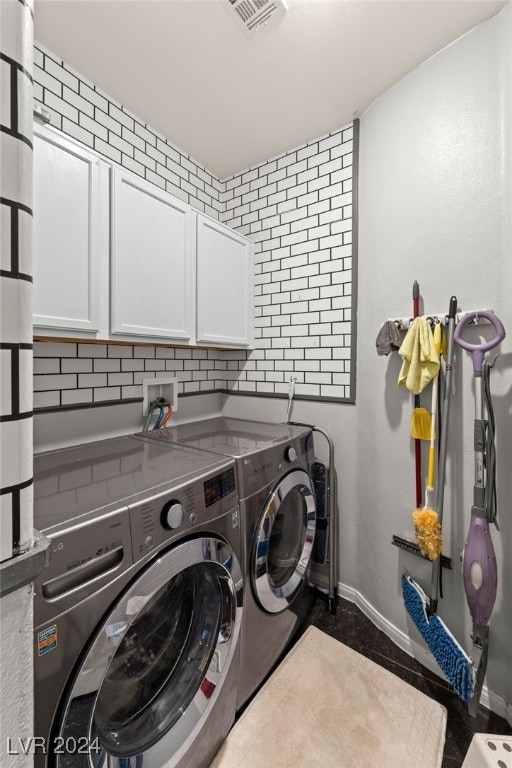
(449, 655)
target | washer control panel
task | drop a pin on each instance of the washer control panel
(179, 510)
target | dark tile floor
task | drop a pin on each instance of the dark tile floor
(352, 627)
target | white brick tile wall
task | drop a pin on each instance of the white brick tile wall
(297, 209)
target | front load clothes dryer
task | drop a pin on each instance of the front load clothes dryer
(138, 614)
(278, 516)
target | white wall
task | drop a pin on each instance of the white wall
(435, 206)
(16, 529)
(16, 678)
(297, 208)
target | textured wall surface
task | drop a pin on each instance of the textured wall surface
(16, 677)
(15, 278)
(16, 37)
(298, 210)
(438, 142)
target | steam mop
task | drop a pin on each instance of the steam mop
(479, 561)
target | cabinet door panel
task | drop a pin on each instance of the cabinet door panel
(224, 285)
(152, 261)
(70, 233)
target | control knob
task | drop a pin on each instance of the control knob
(172, 515)
(290, 454)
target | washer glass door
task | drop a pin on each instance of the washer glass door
(152, 670)
(284, 542)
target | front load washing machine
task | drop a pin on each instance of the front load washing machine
(138, 615)
(278, 514)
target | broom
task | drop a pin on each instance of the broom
(449, 655)
(426, 520)
(420, 417)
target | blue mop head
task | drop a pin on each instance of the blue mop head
(449, 655)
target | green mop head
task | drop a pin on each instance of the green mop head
(449, 655)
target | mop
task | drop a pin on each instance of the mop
(449, 655)
(479, 561)
(426, 520)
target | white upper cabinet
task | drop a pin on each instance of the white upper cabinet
(224, 285)
(70, 235)
(118, 258)
(153, 245)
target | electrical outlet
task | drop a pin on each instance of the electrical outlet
(159, 387)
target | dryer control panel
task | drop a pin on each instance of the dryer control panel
(174, 512)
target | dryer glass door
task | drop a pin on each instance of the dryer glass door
(152, 670)
(284, 542)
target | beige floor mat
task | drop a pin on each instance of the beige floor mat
(328, 706)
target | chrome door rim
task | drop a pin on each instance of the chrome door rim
(277, 599)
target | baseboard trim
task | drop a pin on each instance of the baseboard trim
(488, 699)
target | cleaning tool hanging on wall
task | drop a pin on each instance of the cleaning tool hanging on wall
(449, 655)
(426, 520)
(389, 338)
(420, 418)
(479, 561)
(420, 358)
(417, 405)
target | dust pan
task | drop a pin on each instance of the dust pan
(421, 424)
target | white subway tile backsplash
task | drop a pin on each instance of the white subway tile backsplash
(47, 82)
(81, 104)
(57, 104)
(330, 141)
(92, 380)
(92, 95)
(92, 350)
(121, 116)
(297, 209)
(128, 392)
(74, 396)
(48, 382)
(54, 349)
(45, 365)
(108, 150)
(77, 132)
(76, 365)
(101, 394)
(109, 365)
(107, 121)
(47, 399)
(58, 71)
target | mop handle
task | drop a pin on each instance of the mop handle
(478, 350)
(445, 417)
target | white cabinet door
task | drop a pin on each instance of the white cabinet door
(70, 235)
(224, 285)
(153, 243)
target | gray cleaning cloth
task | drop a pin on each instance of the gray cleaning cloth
(389, 338)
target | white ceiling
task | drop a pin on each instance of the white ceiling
(187, 69)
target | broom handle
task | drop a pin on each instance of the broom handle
(433, 424)
(445, 415)
(417, 441)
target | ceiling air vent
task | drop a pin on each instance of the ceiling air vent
(256, 15)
